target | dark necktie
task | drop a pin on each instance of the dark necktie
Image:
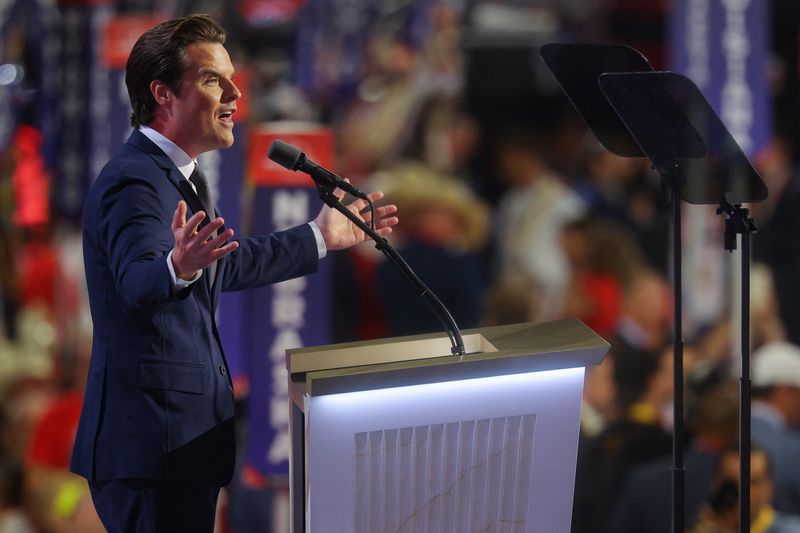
(201, 186)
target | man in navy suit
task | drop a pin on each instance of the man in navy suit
(156, 436)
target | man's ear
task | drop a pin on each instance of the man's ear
(161, 92)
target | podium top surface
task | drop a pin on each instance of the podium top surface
(418, 359)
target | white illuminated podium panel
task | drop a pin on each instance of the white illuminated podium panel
(398, 436)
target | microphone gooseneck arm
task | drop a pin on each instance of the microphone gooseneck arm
(422, 290)
(290, 157)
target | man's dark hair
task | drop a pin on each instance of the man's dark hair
(159, 54)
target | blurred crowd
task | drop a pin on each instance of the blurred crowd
(511, 211)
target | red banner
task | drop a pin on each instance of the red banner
(120, 35)
(315, 140)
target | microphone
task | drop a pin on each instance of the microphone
(291, 157)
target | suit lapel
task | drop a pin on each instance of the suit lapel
(139, 140)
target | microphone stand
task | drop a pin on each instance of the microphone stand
(738, 221)
(326, 194)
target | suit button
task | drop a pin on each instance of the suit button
(222, 370)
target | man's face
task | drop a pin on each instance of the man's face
(200, 115)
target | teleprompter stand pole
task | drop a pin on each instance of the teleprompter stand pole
(739, 222)
(672, 180)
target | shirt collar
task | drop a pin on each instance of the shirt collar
(180, 158)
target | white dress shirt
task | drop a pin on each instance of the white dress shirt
(186, 166)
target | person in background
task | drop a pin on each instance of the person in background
(598, 408)
(511, 299)
(603, 262)
(643, 385)
(624, 190)
(445, 228)
(644, 504)
(721, 515)
(156, 435)
(531, 215)
(778, 244)
(776, 416)
(646, 313)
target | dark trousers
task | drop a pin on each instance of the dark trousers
(155, 505)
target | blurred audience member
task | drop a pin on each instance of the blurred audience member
(643, 382)
(775, 414)
(602, 262)
(402, 68)
(765, 324)
(624, 190)
(778, 242)
(604, 186)
(12, 517)
(375, 128)
(23, 401)
(721, 515)
(445, 136)
(273, 97)
(650, 221)
(765, 319)
(531, 215)
(599, 394)
(511, 299)
(447, 226)
(359, 312)
(646, 314)
(58, 500)
(644, 505)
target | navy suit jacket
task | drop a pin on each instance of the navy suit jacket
(159, 399)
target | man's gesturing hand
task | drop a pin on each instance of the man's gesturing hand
(196, 249)
(339, 232)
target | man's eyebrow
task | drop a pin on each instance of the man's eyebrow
(208, 71)
(211, 72)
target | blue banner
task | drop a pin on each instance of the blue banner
(85, 137)
(291, 314)
(29, 75)
(722, 45)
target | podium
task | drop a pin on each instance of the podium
(395, 436)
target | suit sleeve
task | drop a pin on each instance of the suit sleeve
(135, 233)
(277, 257)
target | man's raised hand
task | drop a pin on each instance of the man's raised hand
(195, 249)
(339, 232)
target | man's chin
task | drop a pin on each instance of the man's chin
(226, 141)
(219, 142)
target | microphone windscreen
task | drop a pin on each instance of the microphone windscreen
(285, 155)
